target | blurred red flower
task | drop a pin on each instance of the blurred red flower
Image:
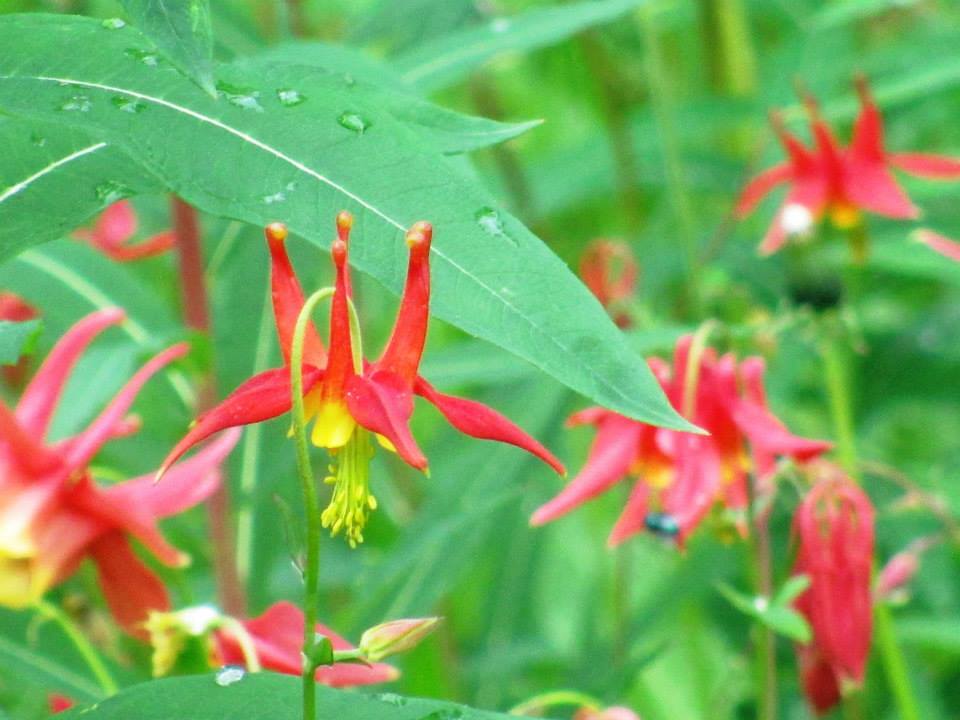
(939, 243)
(839, 182)
(53, 514)
(610, 713)
(58, 703)
(112, 231)
(609, 270)
(277, 636)
(834, 530)
(680, 476)
(348, 401)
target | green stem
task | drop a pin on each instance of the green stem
(763, 570)
(83, 646)
(891, 655)
(311, 503)
(539, 703)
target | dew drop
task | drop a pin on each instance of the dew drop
(245, 98)
(38, 139)
(230, 674)
(77, 103)
(349, 80)
(277, 197)
(444, 714)
(354, 122)
(127, 104)
(149, 59)
(499, 25)
(110, 191)
(491, 223)
(113, 23)
(391, 699)
(290, 98)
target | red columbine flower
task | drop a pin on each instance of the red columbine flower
(278, 638)
(841, 183)
(680, 476)
(609, 271)
(347, 402)
(53, 514)
(834, 528)
(113, 230)
(58, 703)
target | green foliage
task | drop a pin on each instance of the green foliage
(16, 339)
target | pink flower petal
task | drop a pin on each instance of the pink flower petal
(939, 243)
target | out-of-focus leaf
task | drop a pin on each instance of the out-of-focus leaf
(263, 696)
(42, 161)
(778, 617)
(302, 147)
(16, 339)
(22, 662)
(401, 23)
(940, 634)
(181, 30)
(791, 589)
(434, 65)
(848, 12)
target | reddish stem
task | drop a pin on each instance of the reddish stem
(196, 316)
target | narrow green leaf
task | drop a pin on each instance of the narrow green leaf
(779, 618)
(791, 589)
(16, 339)
(263, 696)
(53, 179)
(181, 30)
(258, 159)
(435, 65)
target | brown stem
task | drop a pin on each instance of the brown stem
(196, 316)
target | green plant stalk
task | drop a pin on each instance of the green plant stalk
(311, 503)
(891, 655)
(763, 571)
(83, 646)
(538, 703)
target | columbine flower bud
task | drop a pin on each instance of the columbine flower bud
(610, 713)
(394, 637)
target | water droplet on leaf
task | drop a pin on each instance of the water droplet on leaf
(127, 104)
(230, 674)
(149, 59)
(110, 191)
(38, 140)
(491, 223)
(77, 103)
(113, 23)
(290, 98)
(246, 98)
(353, 121)
(391, 699)
(444, 714)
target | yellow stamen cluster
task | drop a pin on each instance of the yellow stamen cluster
(352, 500)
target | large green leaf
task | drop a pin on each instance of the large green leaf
(433, 65)
(263, 696)
(181, 29)
(53, 179)
(254, 157)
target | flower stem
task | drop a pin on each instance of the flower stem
(311, 503)
(539, 703)
(196, 316)
(763, 569)
(83, 646)
(838, 391)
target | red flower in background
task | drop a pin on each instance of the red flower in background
(609, 271)
(113, 230)
(53, 514)
(277, 636)
(834, 529)
(58, 703)
(841, 183)
(347, 402)
(680, 476)
(610, 713)
(939, 243)
(14, 308)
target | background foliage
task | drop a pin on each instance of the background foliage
(653, 117)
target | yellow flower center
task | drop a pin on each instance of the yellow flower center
(844, 216)
(333, 426)
(352, 501)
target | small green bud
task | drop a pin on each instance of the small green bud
(394, 637)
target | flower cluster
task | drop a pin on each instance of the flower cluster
(838, 182)
(52, 512)
(349, 399)
(834, 529)
(680, 476)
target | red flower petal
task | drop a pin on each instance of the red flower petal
(115, 226)
(40, 398)
(129, 587)
(761, 186)
(260, 398)
(939, 243)
(936, 167)
(154, 245)
(768, 434)
(21, 448)
(611, 455)
(633, 518)
(870, 186)
(382, 403)
(84, 446)
(477, 420)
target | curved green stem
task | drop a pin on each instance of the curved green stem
(556, 697)
(83, 646)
